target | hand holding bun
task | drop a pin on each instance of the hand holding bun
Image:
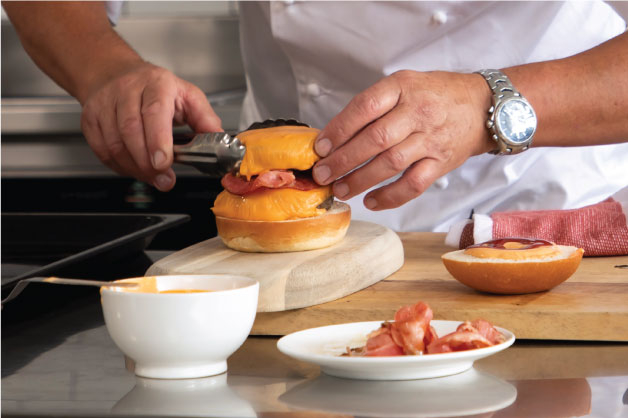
(513, 265)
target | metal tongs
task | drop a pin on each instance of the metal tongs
(214, 154)
(219, 153)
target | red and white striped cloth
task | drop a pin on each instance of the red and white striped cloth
(600, 229)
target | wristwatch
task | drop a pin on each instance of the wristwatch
(511, 121)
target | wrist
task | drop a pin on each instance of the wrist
(105, 67)
(481, 100)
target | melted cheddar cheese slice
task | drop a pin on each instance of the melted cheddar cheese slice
(272, 205)
(279, 148)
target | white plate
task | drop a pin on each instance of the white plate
(324, 345)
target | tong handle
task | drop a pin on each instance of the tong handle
(214, 154)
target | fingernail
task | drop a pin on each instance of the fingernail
(341, 189)
(321, 173)
(322, 147)
(159, 159)
(370, 203)
(162, 181)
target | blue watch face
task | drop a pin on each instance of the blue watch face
(516, 120)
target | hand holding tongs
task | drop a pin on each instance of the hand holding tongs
(219, 153)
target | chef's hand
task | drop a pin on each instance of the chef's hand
(420, 124)
(128, 121)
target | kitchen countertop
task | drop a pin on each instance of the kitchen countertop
(62, 362)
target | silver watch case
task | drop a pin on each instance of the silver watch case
(521, 115)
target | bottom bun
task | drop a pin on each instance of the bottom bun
(513, 276)
(284, 236)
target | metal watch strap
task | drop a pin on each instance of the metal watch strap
(502, 88)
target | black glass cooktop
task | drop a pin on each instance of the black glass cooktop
(36, 244)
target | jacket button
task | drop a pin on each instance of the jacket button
(313, 89)
(439, 17)
(441, 182)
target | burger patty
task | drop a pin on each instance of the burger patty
(272, 179)
(327, 203)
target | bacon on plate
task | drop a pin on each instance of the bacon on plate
(411, 333)
(411, 327)
(458, 341)
(380, 343)
(484, 328)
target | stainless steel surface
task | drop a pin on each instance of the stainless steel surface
(55, 156)
(50, 156)
(21, 285)
(214, 154)
(41, 137)
(202, 50)
(59, 156)
(67, 365)
(62, 114)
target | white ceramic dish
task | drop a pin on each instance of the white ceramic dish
(468, 393)
(324, 345)
(181, 335)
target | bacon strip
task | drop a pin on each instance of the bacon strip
(430, 336)
(484, 328)
(469, 335)
(380, 343)
(411, 327)
(272, 179)
(458, 341)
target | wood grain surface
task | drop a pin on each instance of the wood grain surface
(591, 305)
(368, 253)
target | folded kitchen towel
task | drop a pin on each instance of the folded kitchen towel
(600, 229)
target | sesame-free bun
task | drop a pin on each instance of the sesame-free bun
(283, 236)
(513, 276)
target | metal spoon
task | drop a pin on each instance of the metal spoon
(57, 280)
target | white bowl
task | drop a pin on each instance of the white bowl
(181, 335)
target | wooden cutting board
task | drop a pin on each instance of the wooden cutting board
(368, 254)
(591, 305)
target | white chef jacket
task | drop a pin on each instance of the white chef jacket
(306, 60)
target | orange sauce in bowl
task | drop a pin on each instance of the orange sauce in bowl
(183, 291)
(149, 285)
